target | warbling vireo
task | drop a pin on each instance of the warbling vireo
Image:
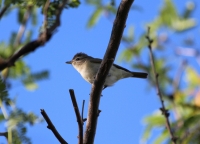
(88, 67)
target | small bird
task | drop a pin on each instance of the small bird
(88, 67)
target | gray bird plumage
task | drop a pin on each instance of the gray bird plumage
(88, 66)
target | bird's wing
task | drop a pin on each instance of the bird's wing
(97, 60)
(119, 67)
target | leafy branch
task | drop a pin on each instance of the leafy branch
(33, 45)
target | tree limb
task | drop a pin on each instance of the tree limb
(3, 10)
(109, 57)
(33, 45)
(163, 109)
(52, 127)
(78, 116)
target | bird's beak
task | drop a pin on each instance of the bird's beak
(68, 62)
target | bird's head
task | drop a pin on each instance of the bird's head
(78, 59)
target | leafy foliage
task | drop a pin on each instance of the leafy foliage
(16, 119)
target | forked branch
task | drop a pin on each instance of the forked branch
(109, 57)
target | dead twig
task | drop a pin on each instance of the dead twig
(163, 109)
(52, 127)
(78, 116)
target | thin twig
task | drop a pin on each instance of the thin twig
(33, 45)
(5, 134)
(163, 109)
(78, 116)
(109, 57)
(3, 10)
(52, 127)
(83, 104)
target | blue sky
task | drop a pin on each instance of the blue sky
(123, 106)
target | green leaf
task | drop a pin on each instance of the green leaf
(126, 55)
(181, 25)
(3, 91)
(192, 77)
(20, 69)
(40, 75)
(146, 133)
(1, 118)
(163, 136)
(94, 17)
(34, 16)
(29, 80)
(21, 13)
(31, 86)
(74, 3)
(168, 13)
(156, 120)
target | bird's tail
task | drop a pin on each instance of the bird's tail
(139, 74)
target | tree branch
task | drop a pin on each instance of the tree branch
(109, 57)
(33, 45)
(3, 10)
(52, 127)
(163, 109)
(78, 116)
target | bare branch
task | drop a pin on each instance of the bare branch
(3, 10)
(163, 109)
(52, 127)
(33, 45)
(109, 57)
(78, 116)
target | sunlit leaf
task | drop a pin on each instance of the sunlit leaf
(3, 91)
(182, 25)
(192, 77)
(74, 3)
(94, 17)
(163, 136)
(31, 86)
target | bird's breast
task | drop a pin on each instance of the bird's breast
(88, 71)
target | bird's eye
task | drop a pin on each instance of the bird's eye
(77, 59)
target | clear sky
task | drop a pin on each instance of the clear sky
(123, 106)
